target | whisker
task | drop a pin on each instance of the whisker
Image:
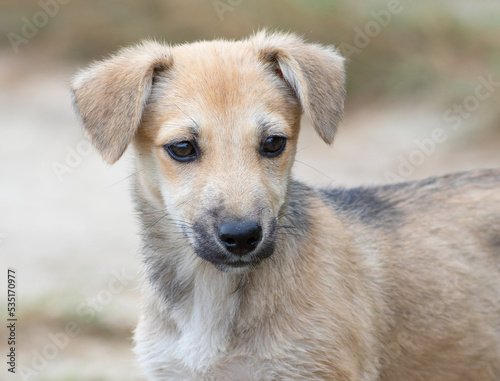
(317, 170)
(125, 178)
(196, 124)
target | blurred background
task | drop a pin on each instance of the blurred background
(423, 99)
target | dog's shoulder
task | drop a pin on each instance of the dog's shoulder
(389, 204)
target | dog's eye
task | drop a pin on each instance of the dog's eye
(182, 151)
(273, 146)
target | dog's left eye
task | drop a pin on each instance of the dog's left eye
(273, 146)
(182, 151)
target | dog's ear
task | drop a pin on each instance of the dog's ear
(110, 95)
(314, 72)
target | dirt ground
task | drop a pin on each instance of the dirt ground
(67, 224)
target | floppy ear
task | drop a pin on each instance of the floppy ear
(110, 95)
(314, 72)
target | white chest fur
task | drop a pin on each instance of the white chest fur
(193, 345)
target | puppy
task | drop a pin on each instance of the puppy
(251, 275)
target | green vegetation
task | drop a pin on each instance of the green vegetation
(441, 47)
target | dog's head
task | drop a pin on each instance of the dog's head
(214, 126)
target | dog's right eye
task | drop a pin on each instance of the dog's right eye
(182, 151)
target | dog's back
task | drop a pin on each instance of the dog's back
(441, 276)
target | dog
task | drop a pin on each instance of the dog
(251, 275)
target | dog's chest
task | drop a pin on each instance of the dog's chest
(225, 369)
(204, 327)
(204, 345)
(204, 351)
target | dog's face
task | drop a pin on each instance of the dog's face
(221, 133)
(215, 128)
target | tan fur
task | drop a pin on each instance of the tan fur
(388, 283)
(110, 96)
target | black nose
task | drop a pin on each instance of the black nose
(240, 237)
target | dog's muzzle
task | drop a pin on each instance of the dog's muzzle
(234, 243)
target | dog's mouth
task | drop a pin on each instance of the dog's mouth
(238, 266)
(235, 245)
